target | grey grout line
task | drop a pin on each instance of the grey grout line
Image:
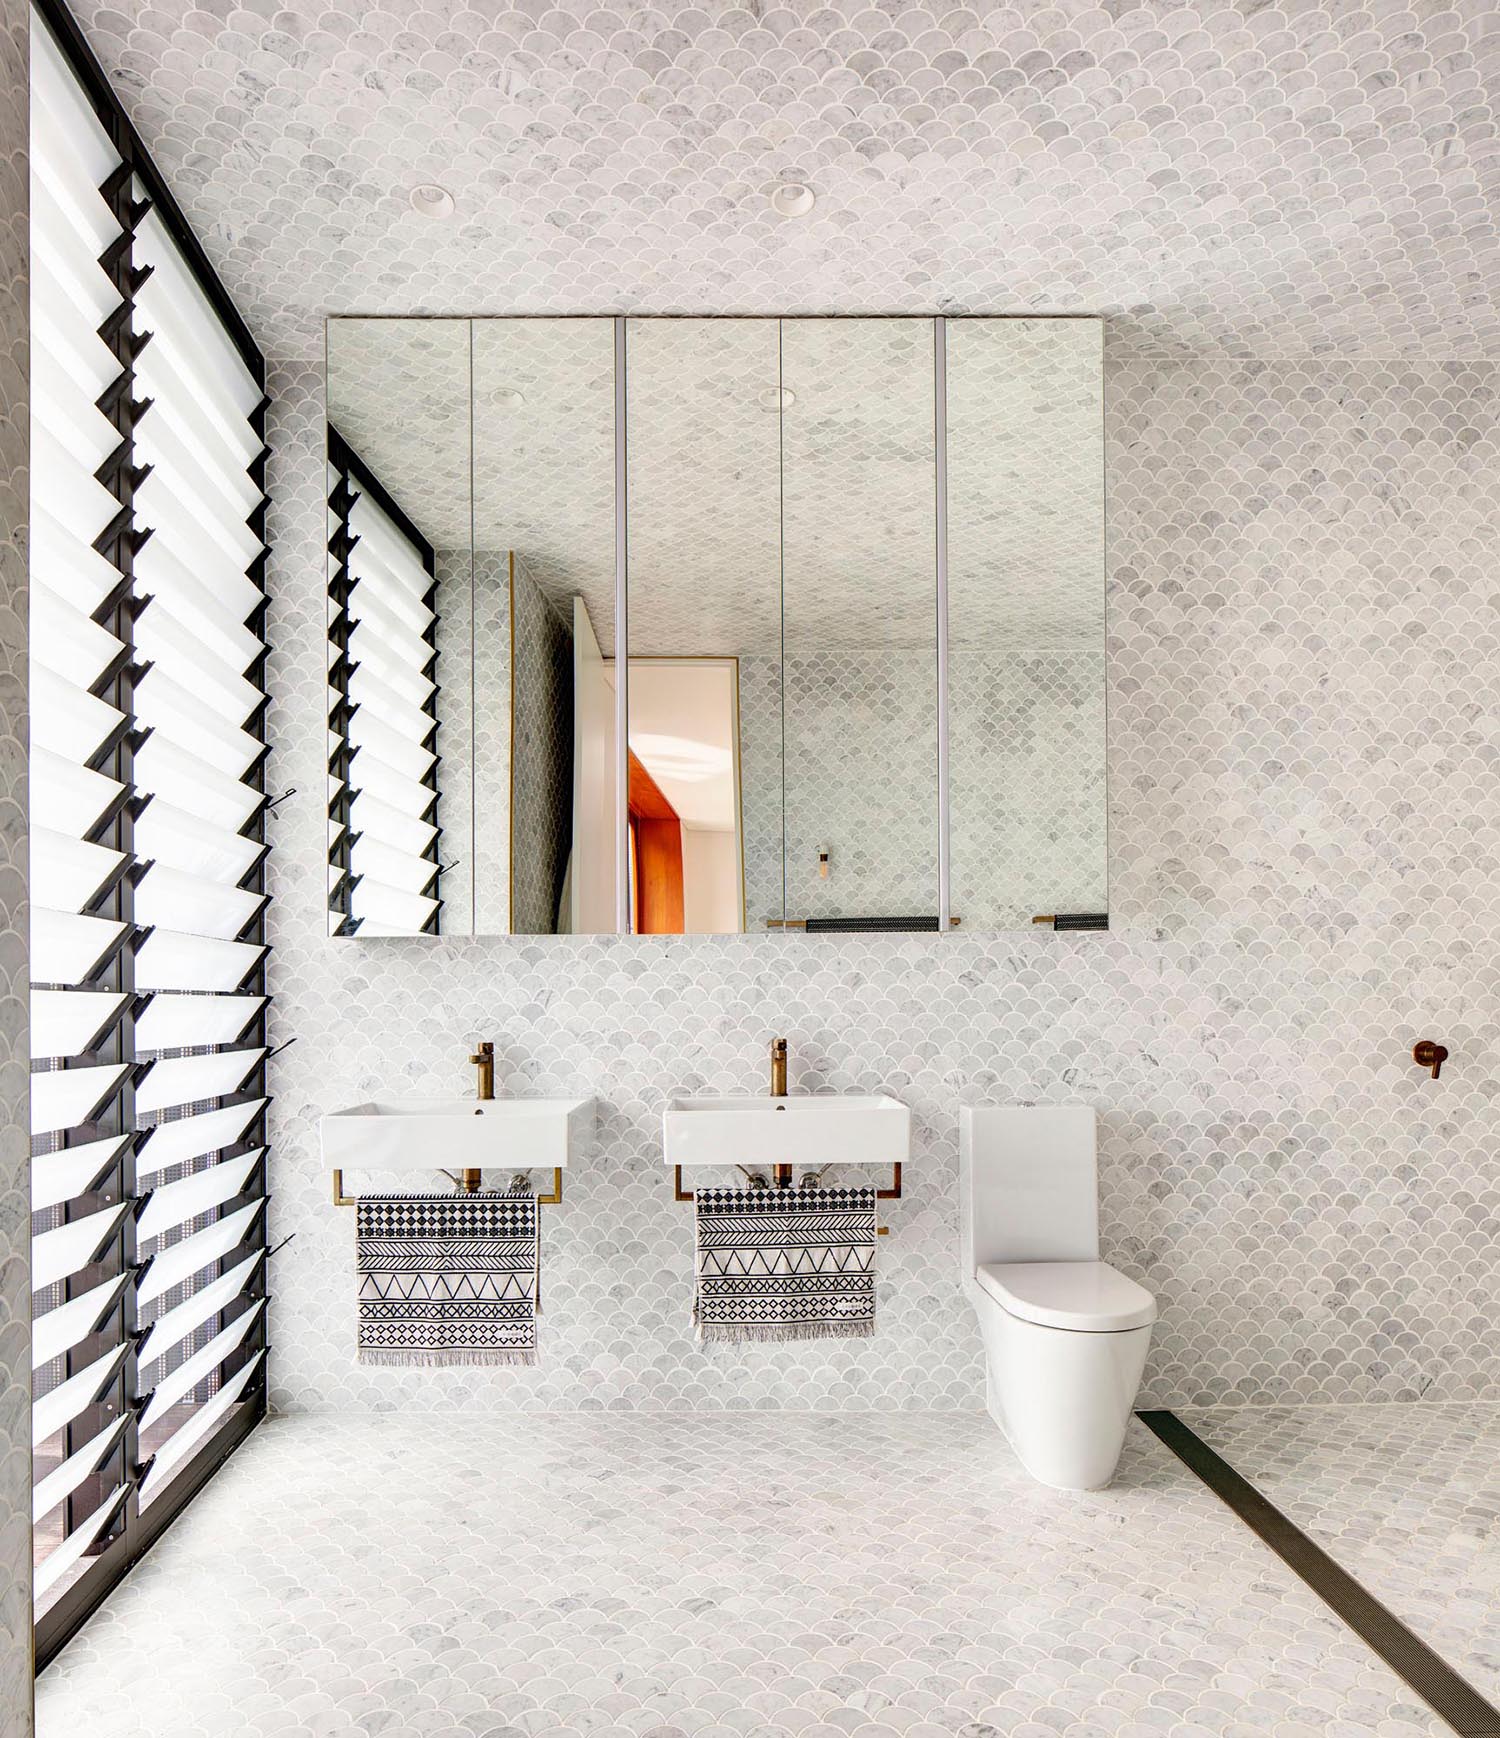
(1449, 1696)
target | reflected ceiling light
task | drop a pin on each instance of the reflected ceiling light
(792, 199)
(681, 758)
(508, 397)
(430, 200)
(777, 398)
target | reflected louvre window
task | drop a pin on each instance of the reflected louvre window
(147, 809)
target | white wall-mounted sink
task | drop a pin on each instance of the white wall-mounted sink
(837, 1129)
(452, 1134)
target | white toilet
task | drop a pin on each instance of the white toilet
(1065, 1334)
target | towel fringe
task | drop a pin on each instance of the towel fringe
(430, 1359)
(748, 1333)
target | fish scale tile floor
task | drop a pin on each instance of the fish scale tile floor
(680, 1576)
(1406, 1498)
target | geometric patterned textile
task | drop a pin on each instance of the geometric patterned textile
(785, 1264)
(447, 1279)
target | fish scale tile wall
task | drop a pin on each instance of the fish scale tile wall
(1305, 880)
(1251, 179)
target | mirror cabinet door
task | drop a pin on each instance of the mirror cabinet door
(544, 626)
(860, 623)
(704, 613)
(1027, 798)
(399, 604)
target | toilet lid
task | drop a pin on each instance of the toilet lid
(1087, 1297)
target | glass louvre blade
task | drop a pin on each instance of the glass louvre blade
(375, 639)
(392, 868)
(68, 1172)
(173, 1204)
(67, 719)
(165, 704)
(413, 723)
(381, 674)
(65, 797)
(374, 736)
(66, 873)
(384, 550)
(64, 1022)
(172, 1266)
(170, 500)
(61, 1329)
(178, 1080)
(172, 772)
(228, 441)
(190, 662)
(378, 820)
(177, 1022)
(370, 776)
(177, 1448)
(69, 640)
(203, 1363)
(172, 836)
(65, 949)
(197, 470)
(65, 564)
(375, 596)
(190, 1137)
(172, 1327)
(217, 617)
(387, 910)
(57, 1563)
(65, 486)
(50, 1491)
(173, 299)
(169, 961)
(77, 137)
(62, 1098)
(195, 906)
(68, 412)
(58, 1253)
(52, 1411)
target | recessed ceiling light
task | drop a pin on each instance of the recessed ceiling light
(430, 200)
(508, 398)
(792, 199)
(777, 398)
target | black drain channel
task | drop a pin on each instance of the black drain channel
(1409, 1657)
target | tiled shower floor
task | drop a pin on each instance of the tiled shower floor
(650, 1576)
(1406, 1498)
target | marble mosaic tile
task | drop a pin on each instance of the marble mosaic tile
(791, 1577)
(15, 1053)
(1251, 180)
(1406, 1498)
(1302, 661)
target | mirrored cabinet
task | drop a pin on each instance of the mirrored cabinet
(711, 626)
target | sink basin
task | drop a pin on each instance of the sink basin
(451, 1134)
(839, 1129)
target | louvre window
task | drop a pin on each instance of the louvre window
(147, 810)
(383, 706)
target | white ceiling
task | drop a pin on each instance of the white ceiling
(1245, 178)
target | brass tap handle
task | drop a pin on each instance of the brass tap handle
(484, 1060)
(1426, 1054)
(778, 1068)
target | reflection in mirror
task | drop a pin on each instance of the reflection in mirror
(705, 625)
(1027, 797)
(544, 626)
(398, 623)
(860, 590)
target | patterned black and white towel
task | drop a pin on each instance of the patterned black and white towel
(447, 1279)
(785, 1264)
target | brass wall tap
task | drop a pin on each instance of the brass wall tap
(778, 1068)
(484, 1060)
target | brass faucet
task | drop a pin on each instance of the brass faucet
(781, 1174)
(484, 1060)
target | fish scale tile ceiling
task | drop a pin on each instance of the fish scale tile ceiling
(1246, 179)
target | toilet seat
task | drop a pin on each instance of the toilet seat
(1088, 1297)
